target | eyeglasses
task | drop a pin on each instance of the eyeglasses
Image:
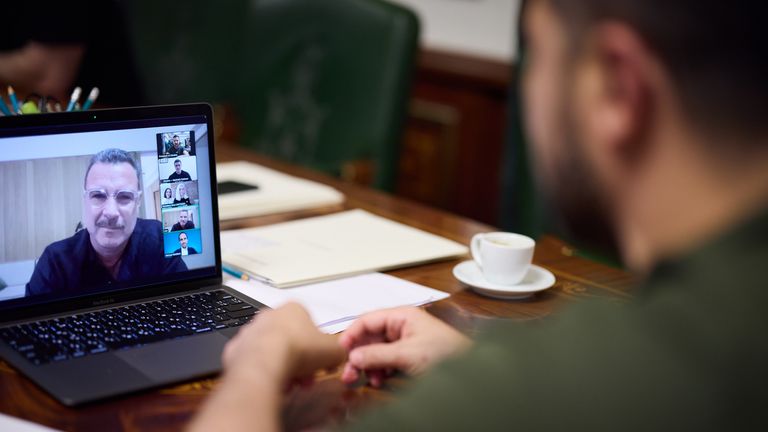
(98, 197)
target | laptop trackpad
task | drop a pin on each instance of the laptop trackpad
(178, 359)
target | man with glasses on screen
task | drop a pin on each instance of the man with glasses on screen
(116, 246)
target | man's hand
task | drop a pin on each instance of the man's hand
(286, 342)
(278, 347)
(406, 339)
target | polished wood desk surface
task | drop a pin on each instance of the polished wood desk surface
(170, 408)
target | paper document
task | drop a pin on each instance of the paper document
(276, 192)
(334, 305)
(332, 246)
(8, 423)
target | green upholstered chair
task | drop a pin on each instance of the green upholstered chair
(321, 83)
(326, 82)
(187, 51)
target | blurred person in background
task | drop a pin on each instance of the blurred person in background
(49, 47)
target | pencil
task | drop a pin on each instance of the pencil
(91, 98)
(4, 107)
(73, 99)
(14, 102)
(235, 273)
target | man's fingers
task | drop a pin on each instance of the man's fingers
(350, 374)
(374, 323)
(366, 339)
(378, 356)
(324, 353)
(375, 377)
(383, 322)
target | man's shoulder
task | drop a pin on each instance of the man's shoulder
(67, 245)
(148, 228)
(148, 224)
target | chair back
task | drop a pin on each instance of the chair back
(321, 83)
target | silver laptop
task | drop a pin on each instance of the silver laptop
(110, 264)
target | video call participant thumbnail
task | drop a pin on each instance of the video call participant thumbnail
(181, 143)
(176, 149)
(184, 248)
(181, 196)
(179, 174)
(167, 198)
(115, 246)
(184, 222)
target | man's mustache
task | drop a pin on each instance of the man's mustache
(112, 224)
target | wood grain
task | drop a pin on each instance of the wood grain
(171, 408)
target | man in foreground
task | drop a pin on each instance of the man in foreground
(116, 245)
(648, 124)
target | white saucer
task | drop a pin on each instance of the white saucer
(537, 279)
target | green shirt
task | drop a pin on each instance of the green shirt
(688, 353)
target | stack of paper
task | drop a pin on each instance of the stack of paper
(276, 192)
(8, 423)
(334, 305)
(325, 247)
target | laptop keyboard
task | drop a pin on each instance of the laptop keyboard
(128, 326)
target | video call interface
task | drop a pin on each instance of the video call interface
(105, 210)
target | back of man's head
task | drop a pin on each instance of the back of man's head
(715, 51)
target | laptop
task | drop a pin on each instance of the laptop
(110, 263)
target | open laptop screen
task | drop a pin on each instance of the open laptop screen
(91, 208)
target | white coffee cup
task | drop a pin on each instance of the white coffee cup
(503, 257)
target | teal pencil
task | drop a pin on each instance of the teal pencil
(4, 107)
(235, 273)
(91, 98)
(14, 102)
(73, 99)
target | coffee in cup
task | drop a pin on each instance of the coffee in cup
(504, 258)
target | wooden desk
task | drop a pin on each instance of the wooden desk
(170, 408)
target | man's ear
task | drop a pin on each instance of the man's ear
(624, 72)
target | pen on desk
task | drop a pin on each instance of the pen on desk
(235, 273)
(14, 102)
(91, 98)
(354, 317)
(73, 99)
(339, 321)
